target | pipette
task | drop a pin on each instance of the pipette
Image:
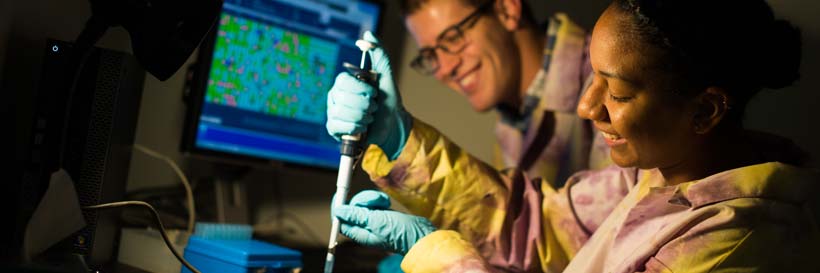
(350, 150)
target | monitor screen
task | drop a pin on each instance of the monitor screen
(261, 87)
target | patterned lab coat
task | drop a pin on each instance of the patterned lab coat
(759, 218)
(572, 143)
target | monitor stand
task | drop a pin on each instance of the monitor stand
(231, 198)
(231, 202)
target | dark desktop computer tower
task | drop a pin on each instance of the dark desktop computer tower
(98, 139)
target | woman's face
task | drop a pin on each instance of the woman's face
(632, 100)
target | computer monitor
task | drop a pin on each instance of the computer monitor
(260, 88)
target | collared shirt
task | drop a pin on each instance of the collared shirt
(520, 118)
(549, 107)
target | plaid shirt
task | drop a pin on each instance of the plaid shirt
(554, 93)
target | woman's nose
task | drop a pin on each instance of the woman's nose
(591, 106)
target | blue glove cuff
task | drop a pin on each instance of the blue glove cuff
(395, 144)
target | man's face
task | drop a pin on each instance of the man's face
(487, 69)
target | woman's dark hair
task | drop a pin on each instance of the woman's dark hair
(737, 45)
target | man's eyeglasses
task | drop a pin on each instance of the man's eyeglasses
(450, 41)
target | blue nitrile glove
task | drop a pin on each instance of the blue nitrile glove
(383, 228)
(367, 199)
(371, 199)
(354, 107)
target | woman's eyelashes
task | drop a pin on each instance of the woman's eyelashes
(620, 99)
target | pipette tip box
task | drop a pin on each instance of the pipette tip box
(240, 256)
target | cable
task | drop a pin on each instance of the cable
(189, 193)
(159, 224)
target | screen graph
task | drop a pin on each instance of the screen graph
(270, 66)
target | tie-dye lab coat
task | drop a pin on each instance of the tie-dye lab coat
(549, 109)
(573, 144)
(751, 219)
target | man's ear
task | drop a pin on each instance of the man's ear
(712, 107)
(509, 13)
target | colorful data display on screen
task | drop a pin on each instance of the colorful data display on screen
(272, 70)
(272, 64)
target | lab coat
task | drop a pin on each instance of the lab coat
(758, 218)
(572, 145)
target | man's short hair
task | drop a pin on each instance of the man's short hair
(408, 7)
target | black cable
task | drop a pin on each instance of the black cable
(159, 224)
(577, 217)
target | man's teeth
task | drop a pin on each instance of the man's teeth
(467, 80)
(611, 136)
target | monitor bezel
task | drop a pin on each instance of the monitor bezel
(194, 92)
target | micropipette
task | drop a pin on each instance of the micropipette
(350, 150)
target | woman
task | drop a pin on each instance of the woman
(697, 192)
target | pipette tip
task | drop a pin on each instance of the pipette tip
(365, 45)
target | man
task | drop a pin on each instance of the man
(493, 53)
